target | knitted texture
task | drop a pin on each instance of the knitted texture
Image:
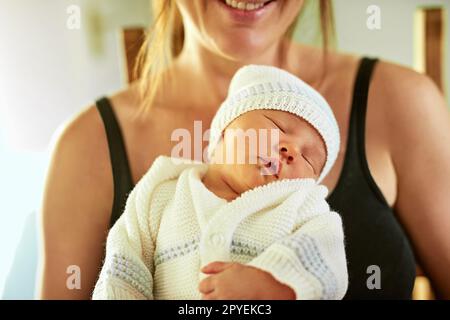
(265, 87)
(173, 225)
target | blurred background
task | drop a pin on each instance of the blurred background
(51, 68)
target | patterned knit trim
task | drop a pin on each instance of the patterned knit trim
(176, 251)
(246, 249)
(309, 255)
(237, 247)
(121, 267)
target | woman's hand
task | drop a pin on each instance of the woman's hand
(235, 281)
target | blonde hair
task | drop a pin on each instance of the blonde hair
(165, 38)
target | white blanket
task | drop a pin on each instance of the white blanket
(173, 225)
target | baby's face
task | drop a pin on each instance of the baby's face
(299, 153)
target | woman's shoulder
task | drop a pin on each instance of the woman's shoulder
(398, 76)
(410, 102)
(396, 82)
(405, 97)
(394, 87)
(80, 157)
(400, 98)
(86, 129)
(80, 144)
(82, 136)
(80, 171)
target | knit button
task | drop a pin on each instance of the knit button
(217, 239)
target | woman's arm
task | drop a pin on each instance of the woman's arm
(76, 209)
(419, 126)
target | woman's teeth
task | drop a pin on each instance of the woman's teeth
(246, 6)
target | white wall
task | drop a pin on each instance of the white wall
(47, 73)
(395, 41)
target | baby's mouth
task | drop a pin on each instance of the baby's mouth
(270, 166)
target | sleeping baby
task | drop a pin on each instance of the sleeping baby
(250, 223)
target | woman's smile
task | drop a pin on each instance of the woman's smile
(247, 11)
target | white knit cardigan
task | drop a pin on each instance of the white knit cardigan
(173, 225)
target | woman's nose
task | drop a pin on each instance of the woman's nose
(289, 152)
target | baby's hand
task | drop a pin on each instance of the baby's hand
(235, 281)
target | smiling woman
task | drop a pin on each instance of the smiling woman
(166, 36)
(391, 207)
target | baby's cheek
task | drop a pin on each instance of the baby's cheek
(300, 171)
(251, 176)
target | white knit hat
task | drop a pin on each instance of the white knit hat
(265, 87)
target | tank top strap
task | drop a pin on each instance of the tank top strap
(356, 148)
(360, 97)
(122, 179)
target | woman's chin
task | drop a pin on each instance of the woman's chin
(242, 47)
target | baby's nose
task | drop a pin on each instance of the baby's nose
(289, 152)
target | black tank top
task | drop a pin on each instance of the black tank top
(376, 244)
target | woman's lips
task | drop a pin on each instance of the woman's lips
(247, 16)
